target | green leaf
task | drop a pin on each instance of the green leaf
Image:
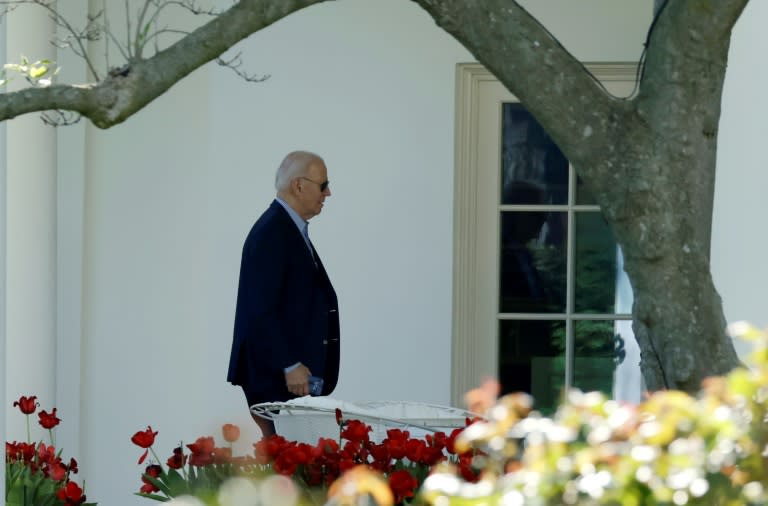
(37, 72)
(159, 484)
(154, 497)
(176, 482)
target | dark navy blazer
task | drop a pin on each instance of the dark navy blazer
(287, 311)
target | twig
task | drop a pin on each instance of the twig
(59, 118)
(140, 37)
(235, 63)
(63, 23)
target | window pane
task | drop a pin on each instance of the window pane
(532, 262)
(583, 196)
(628, 383)
(534, 170)
(531, 359)
(596, 347)
(607, 358)
(595, 265)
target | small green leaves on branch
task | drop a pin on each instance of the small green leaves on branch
(39, 73)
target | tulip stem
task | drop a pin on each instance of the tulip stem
(159, 462)
(53, 443)
(29, 434)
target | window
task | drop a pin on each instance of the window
(541, 301)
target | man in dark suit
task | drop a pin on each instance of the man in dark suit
(286, 320)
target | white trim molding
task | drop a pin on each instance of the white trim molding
(3, 220)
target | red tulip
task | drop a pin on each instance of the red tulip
(414, 450)
(71, 493)
(356, 431)
(202, 451)
(153, 471)
(24, 452)
(48, 420)
(222, 455)
(268, 448)
(451, 441)
(46, 453)
(27, 405)
(402, 484)
(327, 445)
(144, 439)
(178, 460)
(57, 472)
(438, 440)
(466, 469)
(339, 418)
(284, 464)
(231, 432)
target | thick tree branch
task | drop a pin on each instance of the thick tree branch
(532, 64)
(687, 32)
(679, 100)
(81, 99)
(127, 90)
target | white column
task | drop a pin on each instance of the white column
(70, 193)
(30, 234)
(3, 214)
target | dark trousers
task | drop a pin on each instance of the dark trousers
(267, 426)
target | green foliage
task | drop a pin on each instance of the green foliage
(27, 487)
(39, 73)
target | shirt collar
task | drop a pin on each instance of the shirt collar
(298, 220)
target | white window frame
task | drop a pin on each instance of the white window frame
(474, 337)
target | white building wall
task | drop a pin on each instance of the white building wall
(170, 194)
(739, 238)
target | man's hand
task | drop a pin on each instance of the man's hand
(297, 380)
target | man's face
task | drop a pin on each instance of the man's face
(310, 196)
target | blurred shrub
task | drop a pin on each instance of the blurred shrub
(672, 449)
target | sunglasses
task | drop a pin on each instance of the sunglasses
(323, 186)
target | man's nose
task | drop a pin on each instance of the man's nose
(327, 191)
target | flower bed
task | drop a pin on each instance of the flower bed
(35, 473)
(402, 462)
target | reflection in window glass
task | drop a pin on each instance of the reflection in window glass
(628, 385)
(595, 264)
(531, 358)
(598, 349)
(534, 170)
(583, 195)
(532, 263)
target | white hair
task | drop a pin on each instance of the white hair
(294, 164)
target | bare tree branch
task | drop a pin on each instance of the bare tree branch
(60, 118)
(78, 38)
(532, 64)
(140, 36)
(125, 91)
(235, 63)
